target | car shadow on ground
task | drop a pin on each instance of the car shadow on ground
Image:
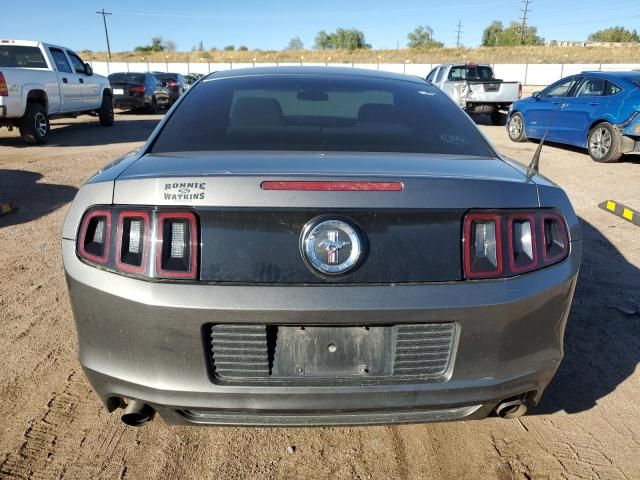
(602, 339)
(583, 151)
(29, 199)
(127, 128)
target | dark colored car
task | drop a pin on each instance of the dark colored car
(174, 82)
(599, 111)
(192, 78)
(310, 246)
(138, 91)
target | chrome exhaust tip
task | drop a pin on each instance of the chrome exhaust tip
(137, 413)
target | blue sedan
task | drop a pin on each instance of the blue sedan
(599, 111)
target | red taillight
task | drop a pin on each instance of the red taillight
(132, 247)
(523, 248)
(483, 245)
(520, 91)
(172, 83)
(95, 236)
(177, 245)
(4, 91)
(137, 89)
(504, 244)
(330, 186)
(555, 245)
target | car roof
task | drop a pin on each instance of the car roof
(613, 74)
(328, 71)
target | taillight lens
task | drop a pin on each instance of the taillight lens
(137, 89)
(504, 244)
(133, 241)
(4, 91)
(172, 83)
(127, 240)
(177, 245)
(556, 239)
(94, 240)
(520, 91)
(483, 245)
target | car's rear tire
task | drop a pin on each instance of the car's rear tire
(498, 118)
(604, 143)
(153, 107)
(515, 128)
(105, 113)
(34, 125)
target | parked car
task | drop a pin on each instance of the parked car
(174, 82)
(476, 90)
(139, 91)
(599, 111)
(308, 246)
(39, 82)
(192, 78)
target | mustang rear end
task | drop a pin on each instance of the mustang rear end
(303, 246)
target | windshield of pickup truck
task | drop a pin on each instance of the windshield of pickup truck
(465, 72)
(16, 56)
(319, 113)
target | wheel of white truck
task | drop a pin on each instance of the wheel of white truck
(34, 126)
(515, 128)
(105, 113)
(605, 143)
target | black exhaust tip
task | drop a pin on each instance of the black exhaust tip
(137, 413)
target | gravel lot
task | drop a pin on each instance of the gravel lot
(588, 425)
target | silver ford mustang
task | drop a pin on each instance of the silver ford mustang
(311, 246)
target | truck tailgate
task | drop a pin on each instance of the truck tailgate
(493, 92)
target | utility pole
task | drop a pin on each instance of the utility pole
(106, 32)
(458, 33)
(525, 11)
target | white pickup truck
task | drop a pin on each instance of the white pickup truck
(476, 90)
(40, 81)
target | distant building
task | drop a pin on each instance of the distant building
(575, 43)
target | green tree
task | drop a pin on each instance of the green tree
(229, 48)
(422, 37)
(323, 41)
(615, 34)
(243, 48)
(492, 33)
(295, 44)
(497, 36)
(341, 39)
(157, 45)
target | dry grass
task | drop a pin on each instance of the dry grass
(542, 54)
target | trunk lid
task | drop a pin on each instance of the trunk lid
(250, 235)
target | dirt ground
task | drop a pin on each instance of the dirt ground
(53, 425)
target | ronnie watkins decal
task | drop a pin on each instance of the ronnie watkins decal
(184, 191)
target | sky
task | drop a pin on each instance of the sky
(269, 24)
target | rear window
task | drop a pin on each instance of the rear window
(464, 72)
(15, 56)
(126, 78)
(166, 76)
(319, 113)
(635, 80)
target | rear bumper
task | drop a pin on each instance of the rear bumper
(128, 101)
(143, 340)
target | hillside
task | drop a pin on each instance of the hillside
(538, 54)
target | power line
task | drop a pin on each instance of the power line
(106, 32)
(458, 33)
(525, 11)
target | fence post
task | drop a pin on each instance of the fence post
(526, 72)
